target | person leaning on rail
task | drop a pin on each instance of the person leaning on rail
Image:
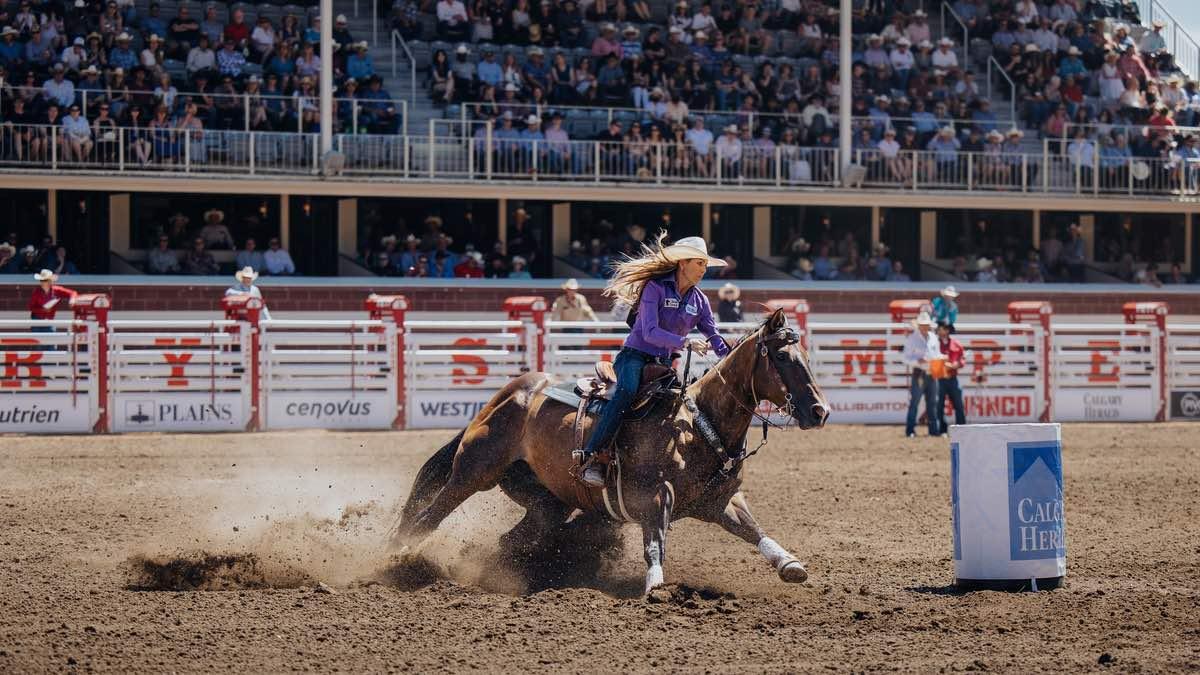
(244, 285)
(46, 298)
(944, 309)
(920, 350)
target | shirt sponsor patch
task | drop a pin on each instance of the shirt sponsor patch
(692, 309)
(671, 303)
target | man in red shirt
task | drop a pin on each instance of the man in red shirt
(471, 267)
(952, 350)
(46, 299)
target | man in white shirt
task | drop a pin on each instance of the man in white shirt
(704, 20)
(452, 20)
(701, 141)
(921, 348)
(945, 57)
(74, 55)
(277, 261)
(729, 151)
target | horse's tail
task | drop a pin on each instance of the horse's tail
(430, 480)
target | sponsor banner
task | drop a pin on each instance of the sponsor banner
(1185, 405)
(890, 406)
(178, 411)
(45, 413)
(330, 410)
(445, 409)
(1035, 501)
(1099, 404)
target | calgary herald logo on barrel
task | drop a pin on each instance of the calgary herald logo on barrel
(1035, 500)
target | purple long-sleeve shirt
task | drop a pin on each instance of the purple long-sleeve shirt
(664, 319)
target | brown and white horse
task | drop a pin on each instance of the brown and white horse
(672, 460)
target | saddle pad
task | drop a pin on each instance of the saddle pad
(565, 393)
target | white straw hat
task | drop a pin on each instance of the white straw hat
(923, 319)
(691, 248)
(729, 290)
(45, 275)
(570, 285)
(246, 272)
(950, 292)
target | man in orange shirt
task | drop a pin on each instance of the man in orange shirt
(952, 350)
(46, 299)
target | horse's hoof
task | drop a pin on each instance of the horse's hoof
(654, 579)
(793, 572)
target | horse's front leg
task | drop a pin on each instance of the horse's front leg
(654, 534)
(737, 520)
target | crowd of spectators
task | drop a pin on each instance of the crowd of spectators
(197, 257)
(765, 75)
(432, 253)
(91, 66)
(609, 244)
(31, 258)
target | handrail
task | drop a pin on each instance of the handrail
(1178, 37)
(1129, 129)
(1012, 87)
(412, 62)
(966, 41)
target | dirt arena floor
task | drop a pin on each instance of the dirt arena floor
(277, 537)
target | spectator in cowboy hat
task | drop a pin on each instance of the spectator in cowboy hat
(8, 257)
(215, 233)
(244, 285)
(46, 298)
(944, 308)
(920, 348)
(729, 307)
(571, 305)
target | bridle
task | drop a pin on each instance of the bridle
(765, 344)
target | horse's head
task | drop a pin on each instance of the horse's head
(782, 374)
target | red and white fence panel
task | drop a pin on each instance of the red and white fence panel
(1183, 371)
(1106, 372)
(49, 378)
(329, 374)
(180, 376)
(861, 369)
(452, 368)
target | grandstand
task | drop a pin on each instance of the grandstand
(1013, 141)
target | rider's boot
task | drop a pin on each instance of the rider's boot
(592, 474)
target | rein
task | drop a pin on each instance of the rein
(729, 463)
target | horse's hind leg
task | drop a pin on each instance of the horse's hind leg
(478, 465)
(737, 520)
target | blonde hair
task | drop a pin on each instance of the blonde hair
(631, 274)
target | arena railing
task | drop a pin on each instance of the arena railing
(51, 376)
(965, 43)
(244, 105)
(490, 157)
(1097, 368)
(994, 67)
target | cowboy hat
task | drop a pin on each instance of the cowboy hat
(246, 272)
(805, 265)
(45, 275)
(950, 292)
(730, 290)
(434, 220)
(5, 246)
(984, 264)
(923, 319)
(570, 285)
(214, 212)
(691, 248)
(389, 239)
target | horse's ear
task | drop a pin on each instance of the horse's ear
(777, 320)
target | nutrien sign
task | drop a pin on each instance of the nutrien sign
(44, 413)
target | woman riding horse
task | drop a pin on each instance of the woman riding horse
(661, 285)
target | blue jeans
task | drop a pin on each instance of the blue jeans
(949, 389)
(628, 367)
(926, 386)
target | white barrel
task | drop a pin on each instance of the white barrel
(1006, 491)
